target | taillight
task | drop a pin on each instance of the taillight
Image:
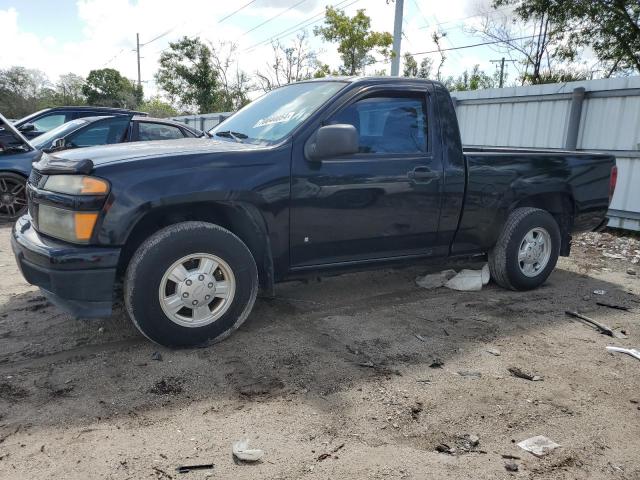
(612, 182)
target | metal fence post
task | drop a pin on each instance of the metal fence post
(202, 123)
(573, 128)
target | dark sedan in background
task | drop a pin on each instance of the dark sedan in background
(42, 121)
(17, 153)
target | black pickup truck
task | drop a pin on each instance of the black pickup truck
(316, 176)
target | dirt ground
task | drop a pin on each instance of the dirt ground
(359, 376)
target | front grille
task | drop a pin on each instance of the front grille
(34, 178)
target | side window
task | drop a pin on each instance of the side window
(158, 131)
(388, 124)
(48, 122)
(102, 132)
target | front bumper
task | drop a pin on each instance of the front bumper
(79, 279)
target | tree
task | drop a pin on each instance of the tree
(69, 88)
(610, 27)
(290, 64)
(426, 65)
(436, 37)
(234, 83)
(107, 87)
(20, 90)
(155, 107)
(355, 39)
(410, 68)
(188, 76)
(537, 41)
(474, 80)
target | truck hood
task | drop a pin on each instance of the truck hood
(83, 160)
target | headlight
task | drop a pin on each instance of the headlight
(76, 185)
(76, 227)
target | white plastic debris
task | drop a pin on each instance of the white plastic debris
(486, 274)
(538, 445)
(600, 292)
(435, 280)
(466, 280)
(629, 351)
(242, 451)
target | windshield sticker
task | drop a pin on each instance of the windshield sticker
(281, 118)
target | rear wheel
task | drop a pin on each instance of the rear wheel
(190, 284)
(527, 249)
(13, 196)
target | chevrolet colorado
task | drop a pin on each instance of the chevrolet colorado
(316, 176)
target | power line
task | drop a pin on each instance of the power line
(236, 11)
(473, 45)
(307, 22)
(273, 18)
(455, 20)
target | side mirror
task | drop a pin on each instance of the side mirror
(27, 127)
(332, 141)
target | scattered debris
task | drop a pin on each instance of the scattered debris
(161, 473)
(617, 256)
(420, 337)
(470, 374)
(510, 457)
(323, 456)
(494, 351)
(444, 448)
(631, 271)
(189, 468)
(367, 364)
(12, 392)
(468, 442)
(415, 410)
(101, 330)
(601, 328)
(600, 292)
(156, 356)
(538, 445)
(611, 305)
(437, 363)
(435, 280)
(516, 372)
(465, 280)
(511, 467)
(629, 351)
(167, 386)
(242, 452)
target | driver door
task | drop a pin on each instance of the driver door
(381, 202)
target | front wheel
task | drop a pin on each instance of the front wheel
(527, 249)
(191, 283)
(13, 196)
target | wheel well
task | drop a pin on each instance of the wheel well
(561, 206)
(242, 220)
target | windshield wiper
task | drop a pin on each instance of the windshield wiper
(237, 136)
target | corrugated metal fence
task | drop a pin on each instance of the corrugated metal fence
(203, 122)
(594, 115)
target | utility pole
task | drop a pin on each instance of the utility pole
(138, 53)
(501, 61)
(397, 38)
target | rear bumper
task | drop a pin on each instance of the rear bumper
(79, 279)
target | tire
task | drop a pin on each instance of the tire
(13, 196)
(160, 261)
(537, 258)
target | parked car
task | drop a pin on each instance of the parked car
(44, 120)
(16, 160)
(314, 177)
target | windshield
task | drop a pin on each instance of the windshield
(45, 140)
(273, 116)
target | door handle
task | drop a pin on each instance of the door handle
(423, 173)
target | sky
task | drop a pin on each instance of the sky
(61, 36)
